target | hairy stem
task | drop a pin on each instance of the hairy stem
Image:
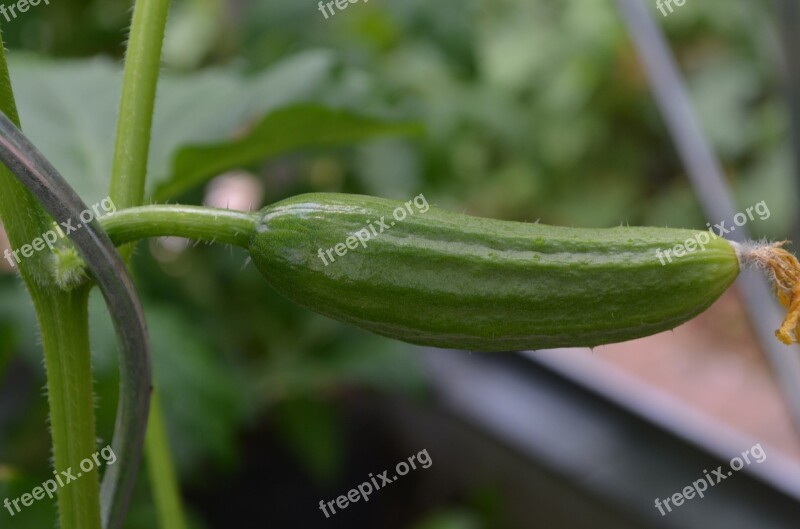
(193, 222)
(23, 217)
(63, 320)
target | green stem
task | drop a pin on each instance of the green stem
(63, 320)
(193, 222)
(65, 337)
(128, 177)
(161, 469)
(137, 105)
(206, 224)
(24, 219)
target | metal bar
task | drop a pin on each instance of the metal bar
(707, 178)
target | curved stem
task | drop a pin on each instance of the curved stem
(111, 275)
(193, 222)
(63, 322)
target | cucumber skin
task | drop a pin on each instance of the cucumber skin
(450, 280)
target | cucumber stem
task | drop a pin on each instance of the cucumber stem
(193, 222)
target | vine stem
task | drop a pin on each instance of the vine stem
(63, 321)
(109, 271)
(137, 105)
(193, 222)
(129, 167)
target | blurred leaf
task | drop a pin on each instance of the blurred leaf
(723, 90)
(69, 108)
(611, 204)
(399, 179)
(142, 513)
(205, 400)
(771, 179)
(17, 321)
(358, 359)
(282, 131)
(449, 520)
(193, 31)
(675, 207)
(313, 432)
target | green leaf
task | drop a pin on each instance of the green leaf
(284, 130)
(68, 109)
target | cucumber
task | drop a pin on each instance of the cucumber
(445, 279)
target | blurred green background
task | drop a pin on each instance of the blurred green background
(531, 110)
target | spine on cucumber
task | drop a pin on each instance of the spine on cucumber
(431, 277)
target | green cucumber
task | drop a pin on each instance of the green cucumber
(450, 280)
